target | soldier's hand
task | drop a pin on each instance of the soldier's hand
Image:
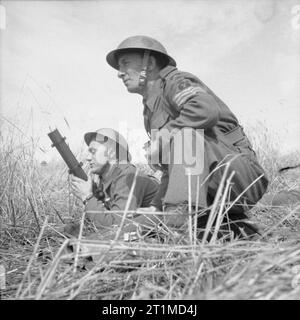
(80, 188)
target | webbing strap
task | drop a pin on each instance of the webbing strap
(143, 74)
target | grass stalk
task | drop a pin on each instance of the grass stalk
(32, 257)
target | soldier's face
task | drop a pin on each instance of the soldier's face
(97, 156)
(130, 66)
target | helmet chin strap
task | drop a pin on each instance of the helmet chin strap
(143, 73)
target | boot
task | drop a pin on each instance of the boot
(237, 223)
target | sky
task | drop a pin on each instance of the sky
(53, 72)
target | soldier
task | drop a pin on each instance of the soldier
(174, 100)
(106, 192)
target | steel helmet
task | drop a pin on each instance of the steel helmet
(103, 134)
(138, 42)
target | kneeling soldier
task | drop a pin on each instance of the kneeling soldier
(174, 101)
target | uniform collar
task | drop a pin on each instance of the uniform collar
(165, 71)
(156, 89)
(149, 100)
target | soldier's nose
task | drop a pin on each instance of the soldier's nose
(121, 74)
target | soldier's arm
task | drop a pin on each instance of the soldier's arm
(196, 107)
(96, 213)
(120, 190)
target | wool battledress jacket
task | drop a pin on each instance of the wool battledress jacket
(180, 100)
(108, 212)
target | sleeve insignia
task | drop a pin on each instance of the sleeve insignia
(186, 90)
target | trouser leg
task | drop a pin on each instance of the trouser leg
(247, 187)
(245, 191)
(216, 155)
(187, 172)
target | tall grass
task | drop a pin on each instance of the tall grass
(35, 201)
(267, 147)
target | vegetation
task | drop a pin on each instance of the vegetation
(35, 203)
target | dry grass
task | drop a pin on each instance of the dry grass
(35, 201)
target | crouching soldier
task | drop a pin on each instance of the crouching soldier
(111, 176)
(174, 101)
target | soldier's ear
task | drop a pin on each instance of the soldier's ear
(112, 154)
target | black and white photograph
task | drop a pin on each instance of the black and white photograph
(149, 150)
